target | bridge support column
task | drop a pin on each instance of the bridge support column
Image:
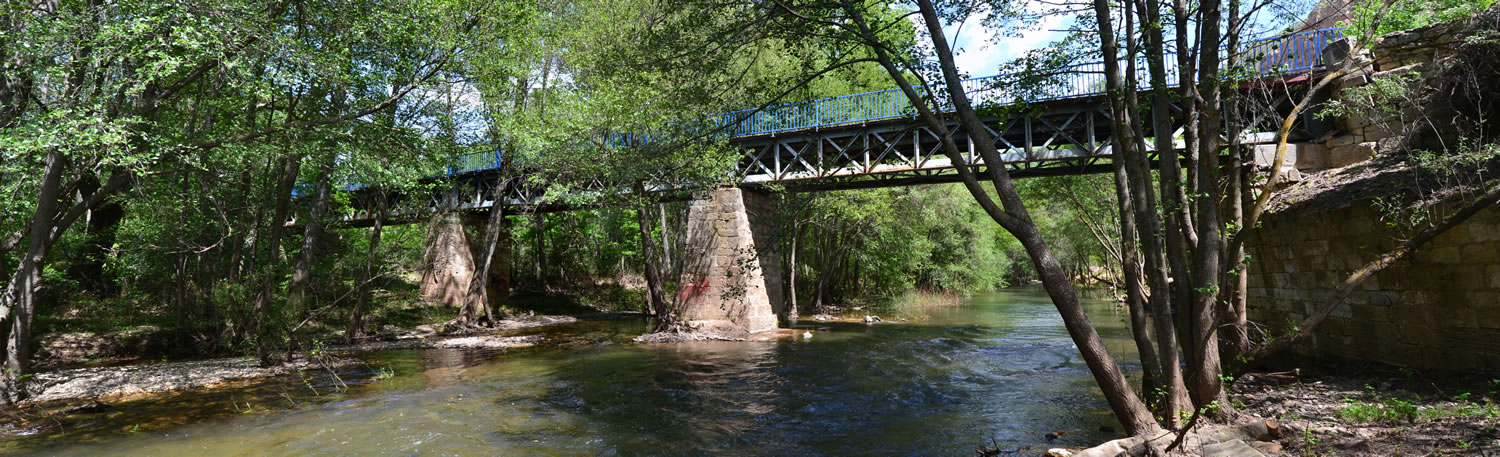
(448, 263)
(730, 270)
(449, 260)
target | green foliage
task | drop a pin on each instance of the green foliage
(866, 246)
(1080, 217)
(884, 242)
(1411, 14)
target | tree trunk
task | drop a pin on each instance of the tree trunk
(261, 312)
(1147, 223)
(1238, 280)
(1130, 264)
(790, 295)
(296, 296)
(357, 315)
(1204, 364)
(1163, 246)
(1306, 328)
(1178, 231)
(539, 225)
(103, 223)
(476, 310)
(656, 297)
(666, 245)
(1132, 197)
(1126, 405)
(21, 295)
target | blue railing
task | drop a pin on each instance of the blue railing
(1280, 54)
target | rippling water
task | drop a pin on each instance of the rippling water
(999, 368)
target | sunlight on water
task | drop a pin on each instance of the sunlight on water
(1001, 367)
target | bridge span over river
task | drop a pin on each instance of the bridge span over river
(873, 139)
(863, 140)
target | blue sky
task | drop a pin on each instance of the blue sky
(979, 52)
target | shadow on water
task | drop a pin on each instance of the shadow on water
(1000, 367)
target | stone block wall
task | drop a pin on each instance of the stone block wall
(454, 242)
(722, 276)
(760, 208)
(448, 261)
(1439, 309)
(1418, 46)
(1418, 50)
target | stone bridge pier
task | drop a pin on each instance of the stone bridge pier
(454, 241)
(730, 270)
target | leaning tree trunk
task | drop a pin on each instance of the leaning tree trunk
(656, 297)
(476, 309)
(1127, 406)
(296, 295)
(1309, 325)
(261, 306)
(357, 315)
(20, 297)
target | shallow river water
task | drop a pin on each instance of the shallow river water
(1000, 367)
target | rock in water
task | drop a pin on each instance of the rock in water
(88, 408)
(1053, 435)
(806, 335)
(1059, 452)
(871, 319)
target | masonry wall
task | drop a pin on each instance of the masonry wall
(1439, 309)
(454, 242)
(1419, 50)
(448, 260)
(723, 278)
(760, 208)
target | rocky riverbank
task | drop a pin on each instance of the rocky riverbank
(1345, 410)
(115, 383)
(1377, 412)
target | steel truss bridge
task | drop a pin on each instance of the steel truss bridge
(874, 139)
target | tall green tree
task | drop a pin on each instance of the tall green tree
(108, 96)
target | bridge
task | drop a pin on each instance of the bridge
(865, 140)
(873, 139)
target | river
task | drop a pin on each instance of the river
(1000, 368)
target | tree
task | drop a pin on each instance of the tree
(136, 93)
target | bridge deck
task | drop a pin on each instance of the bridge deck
(873, 139)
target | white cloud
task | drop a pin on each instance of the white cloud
(976, 55)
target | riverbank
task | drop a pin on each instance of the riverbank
(1350, 409)
(134, 381)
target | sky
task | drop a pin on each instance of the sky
(975, 54)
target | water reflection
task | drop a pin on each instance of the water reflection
(999, 368)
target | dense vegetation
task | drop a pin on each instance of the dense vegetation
(191, 165)
(153, 151)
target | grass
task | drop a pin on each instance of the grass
(915, 305)
(1394, 410)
